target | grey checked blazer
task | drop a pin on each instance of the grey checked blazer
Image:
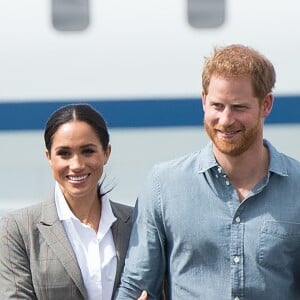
(37, 260)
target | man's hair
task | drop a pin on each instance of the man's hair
(238, 61)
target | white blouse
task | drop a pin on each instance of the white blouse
(95, 252)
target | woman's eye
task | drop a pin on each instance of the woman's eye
(88, 151)
(63, 153)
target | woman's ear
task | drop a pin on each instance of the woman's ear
(48, 156)
(107, 153)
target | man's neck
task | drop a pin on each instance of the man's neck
(246, 170)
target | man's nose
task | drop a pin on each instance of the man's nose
(226, 117)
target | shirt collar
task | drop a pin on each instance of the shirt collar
(64, 212)
(206, 158)
(107, 217)
(277, 165)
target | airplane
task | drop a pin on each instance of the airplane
(139, 63)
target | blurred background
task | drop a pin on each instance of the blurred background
(138, 62)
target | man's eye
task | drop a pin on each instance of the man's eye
(240, 107)
(217, 106)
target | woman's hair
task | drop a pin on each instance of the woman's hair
(78, 112)
(237, 61)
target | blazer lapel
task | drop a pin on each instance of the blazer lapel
(54, 234)
(121, 234)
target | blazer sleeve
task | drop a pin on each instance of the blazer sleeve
(15, 275)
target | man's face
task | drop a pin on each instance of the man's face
(233, 116)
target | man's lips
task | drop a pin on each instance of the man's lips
(227, 134)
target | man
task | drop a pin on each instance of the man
(222, 223)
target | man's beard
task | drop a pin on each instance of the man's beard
(237, 145)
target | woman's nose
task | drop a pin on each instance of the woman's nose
(76, 162)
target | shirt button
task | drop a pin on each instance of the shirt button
(236, 259)
(238, 219)
(236, 298)
(227, 182)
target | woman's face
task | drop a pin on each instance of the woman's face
(77, 160)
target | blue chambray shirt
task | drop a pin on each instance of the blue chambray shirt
(191, 226)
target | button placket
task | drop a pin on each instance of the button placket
(237, 266)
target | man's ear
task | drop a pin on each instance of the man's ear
(203, 97)
(267, 104)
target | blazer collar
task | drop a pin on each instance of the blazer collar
(121, 232)
(55, 236)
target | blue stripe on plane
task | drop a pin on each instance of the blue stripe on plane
(135, 113)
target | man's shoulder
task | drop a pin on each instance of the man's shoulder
(187, 162)
(291, 164)
(282, 163)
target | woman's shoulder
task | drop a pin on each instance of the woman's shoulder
(121, 210)
(27, 214)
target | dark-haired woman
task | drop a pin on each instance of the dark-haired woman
(72, 246)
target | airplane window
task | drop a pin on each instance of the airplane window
(70, 15)
(206, 13)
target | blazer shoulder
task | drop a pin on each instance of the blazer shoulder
(29, 215)
(122, 211)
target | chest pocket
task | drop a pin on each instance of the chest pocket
(279, 244)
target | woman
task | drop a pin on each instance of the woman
(72, 246)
